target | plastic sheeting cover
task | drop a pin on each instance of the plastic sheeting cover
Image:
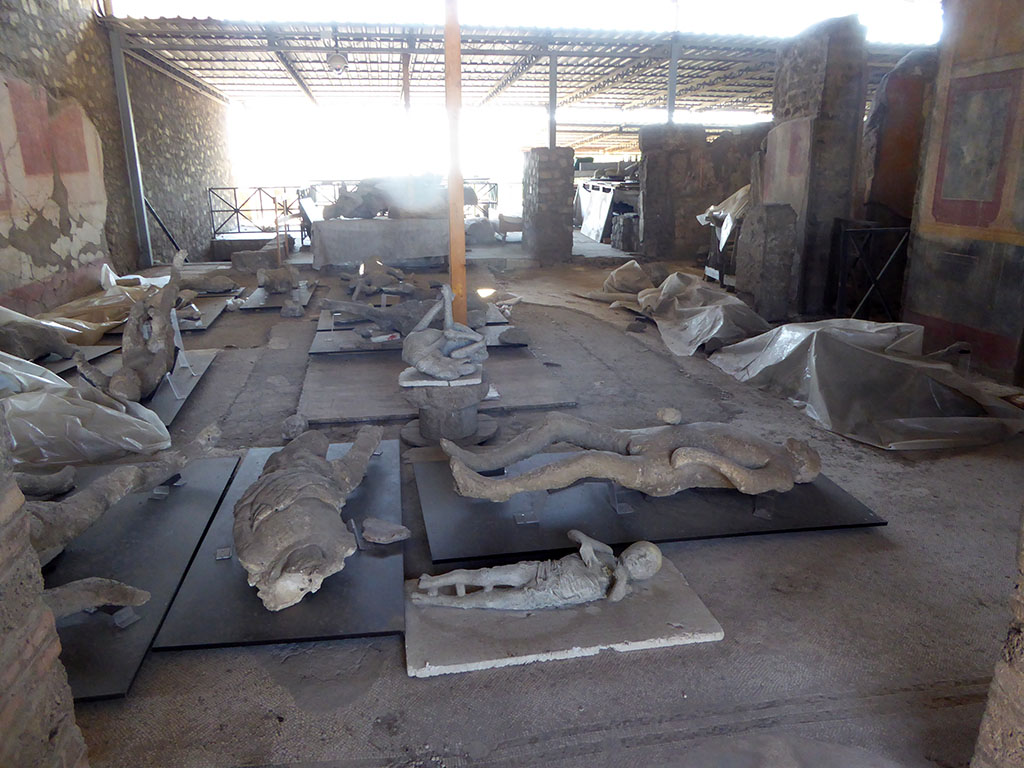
(52, 423)
(691, 314)
(867, 381)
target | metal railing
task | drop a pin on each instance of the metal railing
(872, 260)
(237, 210)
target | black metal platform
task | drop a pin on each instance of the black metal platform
(216, 606)
(260, 299)
(143, 541)
(349, 341)
(460, 528)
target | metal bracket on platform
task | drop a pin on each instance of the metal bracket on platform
(125, 617)
(357, 531)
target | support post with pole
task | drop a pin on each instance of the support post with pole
(673, 76)
(456, 214)
(131, 149)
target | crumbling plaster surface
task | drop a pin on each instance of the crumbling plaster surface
(53, 204)
(60, 45)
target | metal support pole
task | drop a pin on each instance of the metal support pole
(407, 62)
(552, 100)
(131, 149)
(673, 76)
(456, 202)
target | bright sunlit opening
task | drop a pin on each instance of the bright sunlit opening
(290, 141)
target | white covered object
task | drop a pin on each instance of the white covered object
(52, 423)
(868, 381)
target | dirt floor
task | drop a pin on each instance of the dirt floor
(882, 639)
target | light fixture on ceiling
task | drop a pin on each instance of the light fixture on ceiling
(336, 62)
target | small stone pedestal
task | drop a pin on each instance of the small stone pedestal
(447, 409)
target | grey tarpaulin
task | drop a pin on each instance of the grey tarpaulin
(691, 314)
(869, 382)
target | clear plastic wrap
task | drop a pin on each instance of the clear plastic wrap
(51, 423)
(867, 381)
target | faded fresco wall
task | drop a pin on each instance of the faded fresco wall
(183, 150)
(53, 205)
(965, 280)
(892, 138)
(59, 45)
(58, 56)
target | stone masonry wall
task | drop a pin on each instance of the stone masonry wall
(547, 204)
(183, 150)
(681, 174)
(37, 720)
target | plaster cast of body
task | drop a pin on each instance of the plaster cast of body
(659, 461)
(592, 574)
(446, 354)
(147, 348)
(288, 530)
(30, 341)
(54, 524)
(280, 280)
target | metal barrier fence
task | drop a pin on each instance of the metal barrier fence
(234, 210)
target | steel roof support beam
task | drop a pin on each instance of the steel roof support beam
(614, 77)
(517, 70)
(177, 74)
(294, 73)
(700, 84)
(131, 149)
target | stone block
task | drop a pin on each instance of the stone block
(681, 174)
(250, 262)
(765, 256)
(11, 499)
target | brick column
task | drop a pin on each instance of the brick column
(37, 718)
(547, 204)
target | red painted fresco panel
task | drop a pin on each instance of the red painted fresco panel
(32, 122)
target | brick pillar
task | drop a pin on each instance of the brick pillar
(37, 718)
(547, 204)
